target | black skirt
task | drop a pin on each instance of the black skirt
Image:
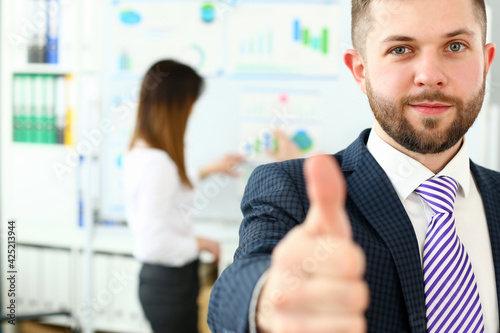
(168, 296)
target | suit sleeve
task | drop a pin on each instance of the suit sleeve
(274, 202)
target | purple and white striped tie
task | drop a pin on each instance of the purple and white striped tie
(451, 295)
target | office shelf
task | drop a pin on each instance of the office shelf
(52, 69)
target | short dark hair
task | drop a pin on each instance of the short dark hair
(362, 21)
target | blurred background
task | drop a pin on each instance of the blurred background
(70, 75)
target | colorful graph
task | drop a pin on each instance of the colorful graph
(295, 113)
(303, 140)
(125, 62)
(145, 31)
(130, 17)
(262, 143)
(286, 39)
(208, 12)
(265, 142)
(260, 44)
(303, 35)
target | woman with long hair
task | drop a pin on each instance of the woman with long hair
(159, 198)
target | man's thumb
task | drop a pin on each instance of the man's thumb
(326, 191)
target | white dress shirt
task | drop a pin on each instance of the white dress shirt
(158, 208)
(406, 174)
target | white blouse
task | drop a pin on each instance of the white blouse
(158, 208)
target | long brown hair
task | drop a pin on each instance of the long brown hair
(169, 90)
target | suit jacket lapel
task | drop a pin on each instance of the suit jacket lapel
(368, 184)
(490, 194)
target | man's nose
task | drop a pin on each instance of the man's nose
(429, 70)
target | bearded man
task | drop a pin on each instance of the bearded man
(400, 231)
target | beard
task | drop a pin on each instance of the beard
(432, 139)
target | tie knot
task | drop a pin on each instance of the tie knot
(439, 193)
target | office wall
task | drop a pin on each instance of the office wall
(291, 86)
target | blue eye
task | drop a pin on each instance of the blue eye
(455, 47)
(400, 50)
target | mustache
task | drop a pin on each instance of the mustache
(431, 96)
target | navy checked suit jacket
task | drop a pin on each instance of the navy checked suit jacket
(275, 201)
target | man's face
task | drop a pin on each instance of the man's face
(425, 70)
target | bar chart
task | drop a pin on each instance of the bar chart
(260, 44)
(273, 39)
(302, 35)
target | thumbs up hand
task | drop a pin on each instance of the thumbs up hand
(315, 283)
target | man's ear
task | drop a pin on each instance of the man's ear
(354, 62)
(489, 55)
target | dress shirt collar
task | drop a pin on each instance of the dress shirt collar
(406, 174)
